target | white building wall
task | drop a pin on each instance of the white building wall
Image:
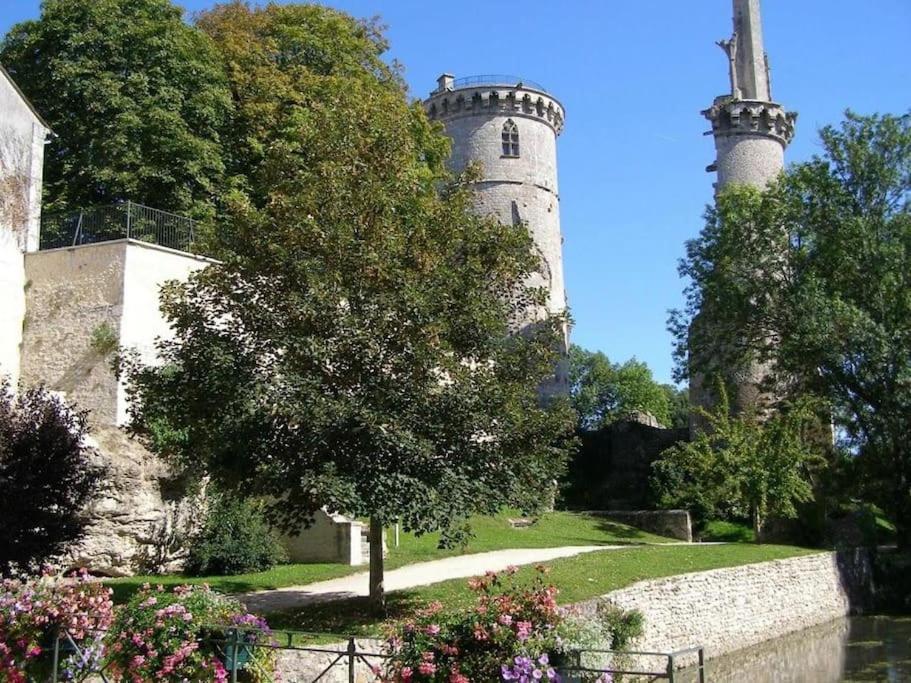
(22, 137)
(147, 268)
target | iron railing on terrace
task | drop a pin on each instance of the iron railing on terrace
(496, 79)
(298, 660)
(126, 220)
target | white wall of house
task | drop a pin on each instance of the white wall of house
(22, 139)
(148, 267)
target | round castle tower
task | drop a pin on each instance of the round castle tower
(751, 134)
(510, 127)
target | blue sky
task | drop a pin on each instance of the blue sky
(633, 76)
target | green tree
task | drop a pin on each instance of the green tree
(813, 277)
(744, 466)
(603, 392)
(678, 401)
(137, 97)
(352, 350)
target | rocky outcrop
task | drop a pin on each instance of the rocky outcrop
(140, 518)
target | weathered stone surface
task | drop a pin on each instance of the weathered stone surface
(725, 610)
(306, 665)
(139, 517)
(670, 523)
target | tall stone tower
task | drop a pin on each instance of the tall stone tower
(751, 134)
(510, 127)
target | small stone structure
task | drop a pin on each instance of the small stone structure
(330, 538)
(670, 523)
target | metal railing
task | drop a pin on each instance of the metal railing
(237, 648)
(681, 666)
(126, 220)
(496, 79)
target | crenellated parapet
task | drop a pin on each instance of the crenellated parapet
(452, 101)
(730, 117)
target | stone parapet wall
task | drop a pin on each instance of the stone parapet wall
(724, 610)
(670, 523)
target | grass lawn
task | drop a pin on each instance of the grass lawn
(491, 533)
(579, 578)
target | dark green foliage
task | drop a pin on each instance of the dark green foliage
(813, 277)
(742, 467)
(726, 532)
(234, 539)
(604, 392)
(624, 626)
(46, 478)
(137, 98)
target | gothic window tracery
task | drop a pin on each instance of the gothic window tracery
(510, 139)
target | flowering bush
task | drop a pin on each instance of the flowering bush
(36, 613)
(514, 632)
(184, 635)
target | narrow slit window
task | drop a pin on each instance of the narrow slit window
(510, 139)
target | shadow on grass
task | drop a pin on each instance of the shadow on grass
(623, 534)
(348, 616)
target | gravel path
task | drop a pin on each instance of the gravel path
(409, 576)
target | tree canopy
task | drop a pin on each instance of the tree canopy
(138, 100)
(813, 278)
(742, 467)
(352, 350)
(604, 392)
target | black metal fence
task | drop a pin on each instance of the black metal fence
(296, 661)
(126, 220)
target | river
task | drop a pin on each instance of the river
(854, 649)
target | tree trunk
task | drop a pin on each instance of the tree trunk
(757, 526)
(377, 591)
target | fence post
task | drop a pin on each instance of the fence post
(54, 670)
(352, 648)
(701, 665)
(235, 653)
(671, 668)
(129, 217)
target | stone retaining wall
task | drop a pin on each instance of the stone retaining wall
(725, 610)
(670, 523)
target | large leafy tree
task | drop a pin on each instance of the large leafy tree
(604, 392)
(47, 476)
(352, 348)
(137, 97)
(813, 279)
(744, 466)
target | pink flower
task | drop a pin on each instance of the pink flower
(505, 619)
(432, 630)
(427, 668)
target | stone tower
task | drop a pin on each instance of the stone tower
(751, 134)
(510, 127)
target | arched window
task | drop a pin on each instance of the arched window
(510, 139)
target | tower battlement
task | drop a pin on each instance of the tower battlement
(751, 117)
(486, 95)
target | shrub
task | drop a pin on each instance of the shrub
(234, 539)
(179, 636)
(35, 613)
(46, 477)
(514, 632)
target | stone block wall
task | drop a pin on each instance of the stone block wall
(724, 610)
(331, 538)
(670, 523)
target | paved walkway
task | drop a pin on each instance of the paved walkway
(409, 576)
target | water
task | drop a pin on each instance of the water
(855, 649)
